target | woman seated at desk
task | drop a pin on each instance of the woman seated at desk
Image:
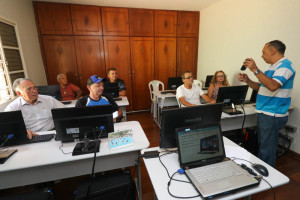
(218, 80)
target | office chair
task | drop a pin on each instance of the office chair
(153, 87)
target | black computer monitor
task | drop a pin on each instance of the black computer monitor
(208, 80)
(83, 123)
(174, 83)
(50, 90)
(232, 94)
(187, 116)
(111, 89)
(12, 129)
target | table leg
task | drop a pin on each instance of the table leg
(139, 182)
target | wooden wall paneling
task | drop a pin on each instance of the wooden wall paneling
(141, 22)
(117, 54)
(115, 21)
(187, 54)
(142, 59)
(60, 57)
(54, 18)
(165, 23)
(90, 58)
(188, 24)
(86, 20)
(165, 59)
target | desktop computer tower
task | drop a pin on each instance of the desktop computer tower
(116, 186)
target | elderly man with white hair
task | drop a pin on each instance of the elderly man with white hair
(35, 108)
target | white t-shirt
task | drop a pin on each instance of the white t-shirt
(191, 95)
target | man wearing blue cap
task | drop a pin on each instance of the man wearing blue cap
(95, 86)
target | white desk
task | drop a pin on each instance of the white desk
(161, 101)
(122, 104)
(159, 177)
(40, 162)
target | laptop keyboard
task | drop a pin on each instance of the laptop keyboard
(215, 172)
(41, 138)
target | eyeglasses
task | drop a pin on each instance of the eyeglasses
(220, 76)
(30, 89)
(188, 77)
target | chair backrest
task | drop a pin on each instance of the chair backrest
(154, 86)
(197, 82)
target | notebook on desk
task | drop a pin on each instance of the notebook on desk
(208, 170)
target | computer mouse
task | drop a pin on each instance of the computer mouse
(260, 169)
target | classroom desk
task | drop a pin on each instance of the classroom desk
(122, 104)
(159, 177)
(41, 162)
(161, 101)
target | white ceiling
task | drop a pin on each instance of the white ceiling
(150, 4)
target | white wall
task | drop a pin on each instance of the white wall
(232, 30)
(21, 13)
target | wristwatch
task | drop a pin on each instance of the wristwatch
(257, 72)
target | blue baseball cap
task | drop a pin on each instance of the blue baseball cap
(94, 79)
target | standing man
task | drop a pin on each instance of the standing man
(189, 94)
(113, 78)
(274, 96)
(35, 108)
(95, 86)
(68, 90)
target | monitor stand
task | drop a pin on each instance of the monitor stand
(86, 147)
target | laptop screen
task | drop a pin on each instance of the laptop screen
(200, 145)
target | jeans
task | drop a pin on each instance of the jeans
(268, 130)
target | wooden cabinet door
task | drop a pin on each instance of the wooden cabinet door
(165, 23)
(165, 59)
(117, 54)
(188, 24)
(115, 21)
(90, 58)
(141, 22)
(142, 59)
(60, 57)
(86, 20)
(54, 18)
(187, 54)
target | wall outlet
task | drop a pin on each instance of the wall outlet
(291, 129)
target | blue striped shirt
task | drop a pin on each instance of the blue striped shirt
(277, 103)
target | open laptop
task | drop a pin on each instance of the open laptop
(210, 173)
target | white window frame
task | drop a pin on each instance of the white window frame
(5, 71)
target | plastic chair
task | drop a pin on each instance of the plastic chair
(153, 87)
(197, 82)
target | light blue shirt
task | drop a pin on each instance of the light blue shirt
(278, 102)
(37, 117)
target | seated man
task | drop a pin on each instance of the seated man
(68, 90)
(35, 108)
(113, 78)
(95, 86)
(189, 94)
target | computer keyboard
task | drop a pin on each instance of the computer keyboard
(215, 172)
(41, 138)
(66, 102)
(117, 98)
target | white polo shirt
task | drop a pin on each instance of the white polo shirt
(37, 117)
(191, 95)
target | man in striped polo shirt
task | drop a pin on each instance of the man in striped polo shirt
(274, 96)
